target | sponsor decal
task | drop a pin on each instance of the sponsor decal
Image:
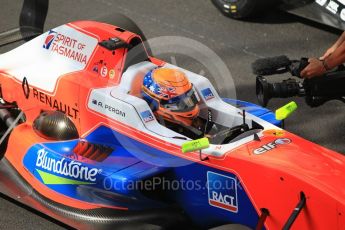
(55, 104)
(104, 71)
(332, 7)
(112, 74)
(26, 88)
(274, 132)
(95, 68)
(272, 145)
(207, 94)
(109, 108)
(67, 46)
(218, 147)
(63, 171)
(147, 116)
(49, 39)
(96, 65)
(222, 191)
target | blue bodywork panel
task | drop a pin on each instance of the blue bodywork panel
(254, 109)
(113, 181)
(116, 186)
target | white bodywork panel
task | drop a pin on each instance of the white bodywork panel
(49, 56)
(125, 99)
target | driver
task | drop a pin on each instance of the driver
(173, 100)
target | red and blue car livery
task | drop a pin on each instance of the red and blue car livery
(87, 150)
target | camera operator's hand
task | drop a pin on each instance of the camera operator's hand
(315, 68)
(329, 52)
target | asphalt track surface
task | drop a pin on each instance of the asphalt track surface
(237, 43)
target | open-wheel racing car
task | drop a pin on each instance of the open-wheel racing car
(80, 144)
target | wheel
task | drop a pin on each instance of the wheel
(241, 9)
(120, 20)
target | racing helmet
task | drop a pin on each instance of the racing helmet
(170, 95)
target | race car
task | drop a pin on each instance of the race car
(81, 144)
(328, 12)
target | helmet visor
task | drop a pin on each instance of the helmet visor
(182, 103)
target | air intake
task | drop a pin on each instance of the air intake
(96, 152)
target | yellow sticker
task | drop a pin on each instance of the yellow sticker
(111, 74)
(274, 132)
(278, 133)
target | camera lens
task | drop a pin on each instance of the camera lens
(287, 88)
(265, 91)
(262, 91)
